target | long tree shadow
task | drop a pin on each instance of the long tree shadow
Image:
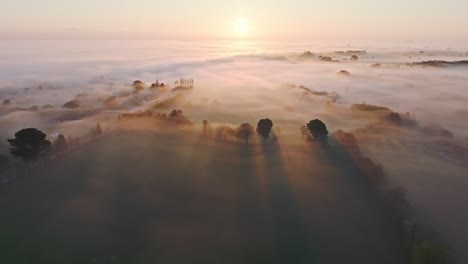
(361, 173)
(255, 244)
(294, 244)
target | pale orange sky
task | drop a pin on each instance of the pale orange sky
(213, 19)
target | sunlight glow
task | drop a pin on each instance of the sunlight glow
(241, 25)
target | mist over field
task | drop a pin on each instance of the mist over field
(179, 195)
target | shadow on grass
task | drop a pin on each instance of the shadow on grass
(363, 174)
(294, 245)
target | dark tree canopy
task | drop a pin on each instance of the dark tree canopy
(29, 143)
(245, 130)
(264, 127)
(75, 103)
(137, 83)
(174, 113)
(318, 129)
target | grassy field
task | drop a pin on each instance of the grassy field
(153, 198)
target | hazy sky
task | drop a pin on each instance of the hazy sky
(213, 19)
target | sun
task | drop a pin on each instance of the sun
(241, 25)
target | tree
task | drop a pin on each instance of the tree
(264, 127)
(60, 145)
(318, 129)
(245, 130)
(207, 128)
(29, 144)
(138, 83)
(174, 113)
(96, 132)
(354, 58)
(75, 103)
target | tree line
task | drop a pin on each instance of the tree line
(314, 131)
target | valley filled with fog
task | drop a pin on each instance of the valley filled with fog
(397, 116)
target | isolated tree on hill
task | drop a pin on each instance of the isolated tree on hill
(245, 130)
(318, 129)
(29, 144)
(264, 128)
(60, 145)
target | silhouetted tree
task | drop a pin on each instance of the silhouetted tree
(156, 84)
(318, 129)
(245, 130)
(137, 83)
(223, 131)
(29, 144)
(326, 58)
(354, 58)
(207, 128)
(60, 145)
(96, 132)
(72, 104)
(264, 128)
(174, 113)
(395, 118)
(138, 86)
(344, 73)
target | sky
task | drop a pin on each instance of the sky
(214, 19)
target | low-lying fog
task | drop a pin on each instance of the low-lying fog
(425, 152)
